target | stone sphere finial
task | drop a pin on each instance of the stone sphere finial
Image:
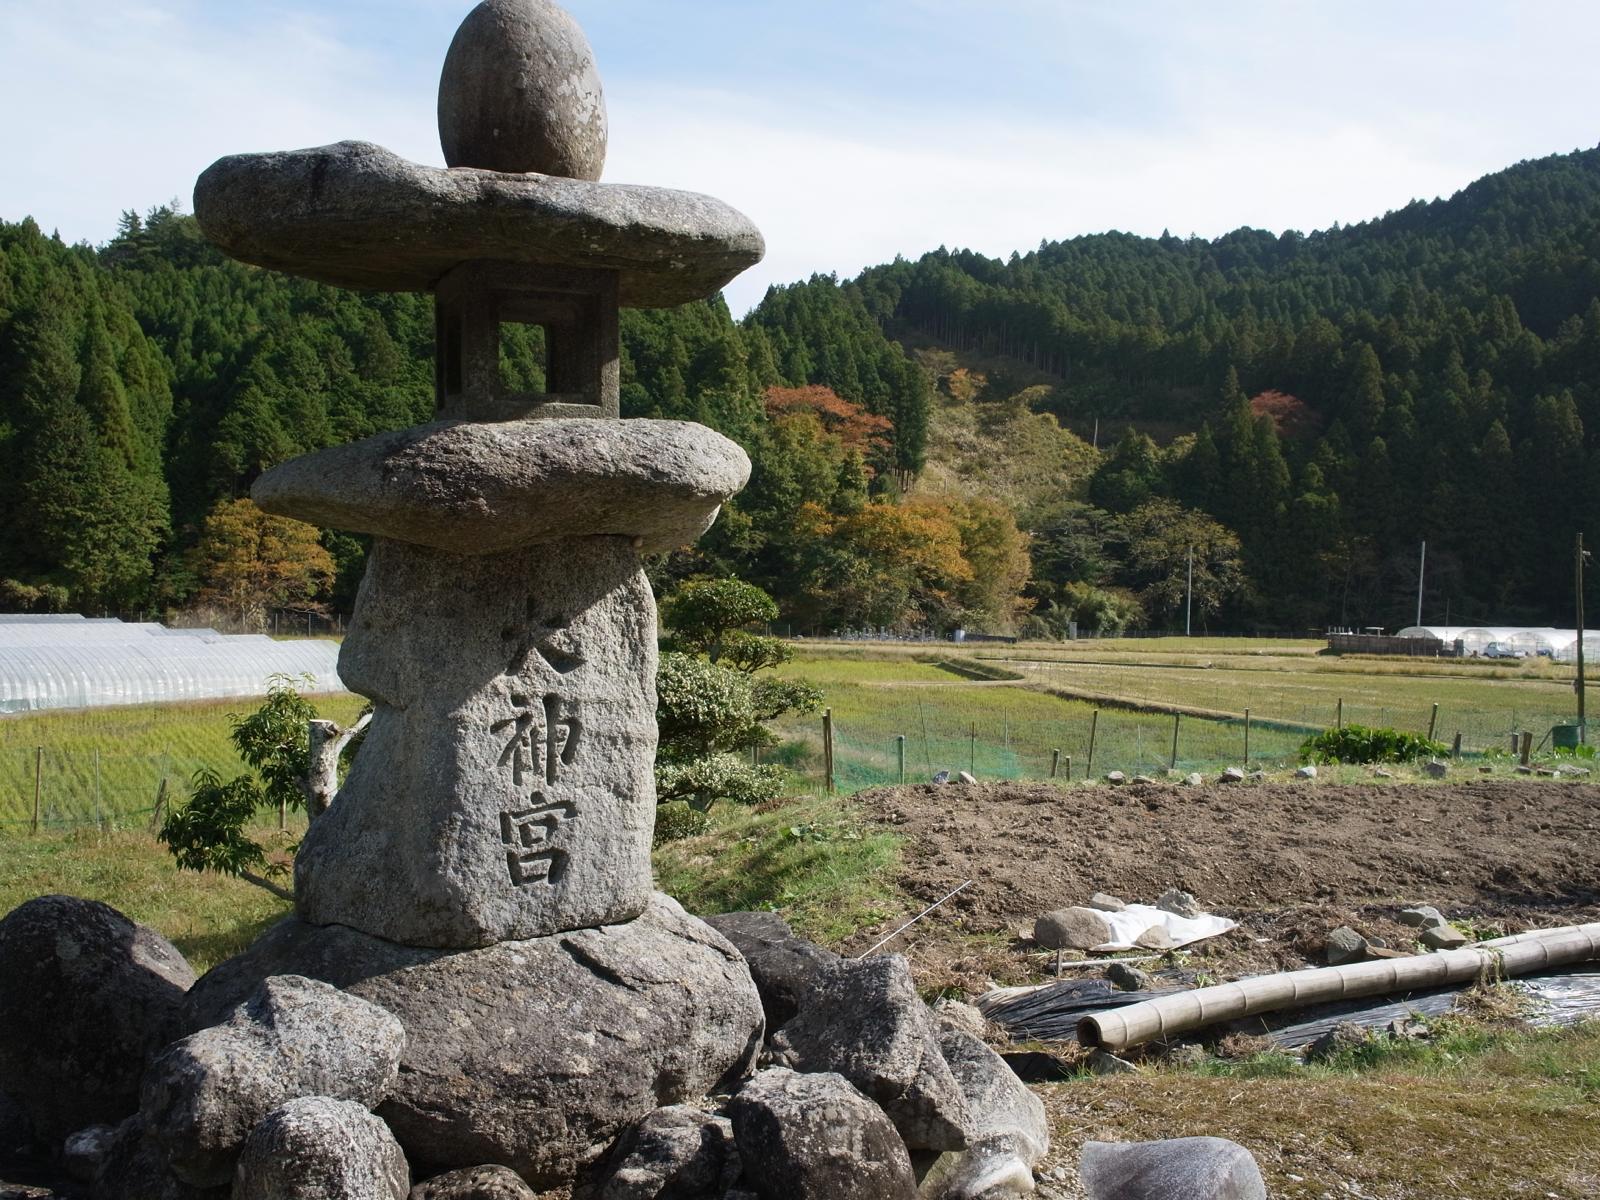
(520, 92)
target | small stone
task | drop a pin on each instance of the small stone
(1179, 903)
(1143, 779)
(1232, 775)
(1103, 1062)
(1101, 902)
(86, 1150)
(488, 1182)
(1423, 916)
(1545, 773)
(1443, 937)
(294, 1037)
(1343, 1037)
(1309, 771)
(1345, 945)
(675, 1153)
(864, 1020)
(1571, 769)
(1257, 775)
(1194, 779)
(1129, 978)
(815, 1137)
(89, 997)
(1386, 952)
(1116, 777)
(1380, 773)
(1187, 1054)
(1197, 1168)
(1377, 943)
(1435, 769)
(966, 777)
(956, 1014)
(1522, 770)
(1072, 929)
(1485, 770)
(1155, 938)
(315, 1148)
(1409, 1029)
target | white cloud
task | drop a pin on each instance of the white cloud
(1069, 118)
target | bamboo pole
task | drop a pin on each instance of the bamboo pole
(1521, 954)
(1247, 737)
(1094, 724)
(1433, 722)
(1173, 764)
(900, 754)
(38, 776)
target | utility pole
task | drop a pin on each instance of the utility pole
(1578, 557)
(1422, 569)
(1188, 607)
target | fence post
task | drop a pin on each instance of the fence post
(1068, 762)
(1173, 765)
(827, 748)
(900, 752)
(38, 774)
(1455, 749)
(972, 749)
(1527, 748)
(1338, 718)
(1055, 762)
(1094, 724)
(1247, 737)
(1433, 721)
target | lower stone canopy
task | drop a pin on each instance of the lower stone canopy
(531, 1054)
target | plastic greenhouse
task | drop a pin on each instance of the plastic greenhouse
(60, 661)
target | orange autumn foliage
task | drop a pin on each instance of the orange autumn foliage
(854, 426)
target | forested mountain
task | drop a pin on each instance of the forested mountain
(1302, 410)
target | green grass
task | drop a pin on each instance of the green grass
(809, 859)
(135, 747)
(875, 698)
(208, 917)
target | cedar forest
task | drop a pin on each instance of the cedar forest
(1301, 410)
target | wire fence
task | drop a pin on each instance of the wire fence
(49, 788)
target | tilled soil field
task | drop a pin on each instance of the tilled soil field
(1288, 860)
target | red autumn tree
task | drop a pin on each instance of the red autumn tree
(854, 426)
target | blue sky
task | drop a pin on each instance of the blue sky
(851, 132)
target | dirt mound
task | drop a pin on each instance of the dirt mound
(1520, 852)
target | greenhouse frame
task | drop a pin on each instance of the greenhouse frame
(1511, 641)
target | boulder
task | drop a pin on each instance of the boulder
(85, 1151)
(781, 964)
(1345, 945)
(1129, 978)
(1155, 938)
(89, 997)
(475, 1183)
(133, 1167)
(316, 1148)
(1179, 903)
(1194, 1168)
(1309, 771)
(1007, 1133)
(864, 1020)
(659, 1010)
(815, 1137)
(1116, 777)
(1193, 779)
(1072, 929)
(675, 1153)
(966, 777)
(1443, 937)
(1423, 916)
(293, 1037)
(1232, 775)
(1101, 902)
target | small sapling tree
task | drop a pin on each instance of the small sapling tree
(295, 758)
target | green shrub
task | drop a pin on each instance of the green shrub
(1359, 744)
(676, 820)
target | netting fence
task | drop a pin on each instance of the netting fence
(47, 787)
